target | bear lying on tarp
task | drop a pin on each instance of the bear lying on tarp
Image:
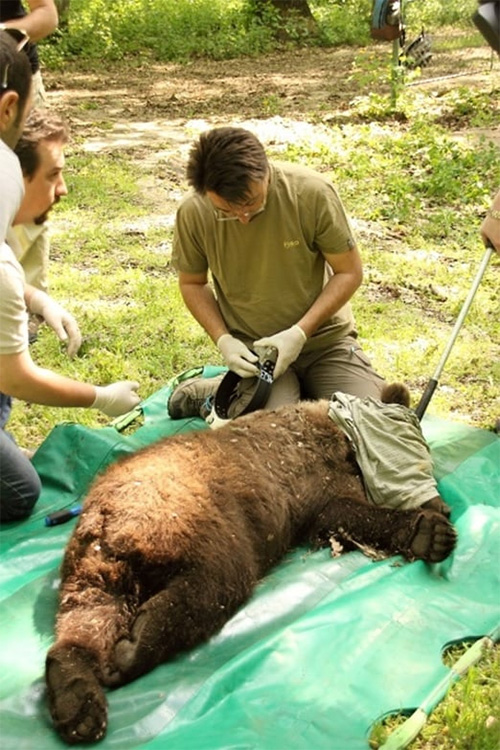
(173, 539)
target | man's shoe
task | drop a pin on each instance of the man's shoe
(193, 397)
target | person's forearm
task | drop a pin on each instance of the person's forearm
(201, 303)
(490, 228)
(41, 21)
(40, 386)
(339, 290)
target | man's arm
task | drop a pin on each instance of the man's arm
(348, 275)
(41, 20)
(490, 228)
(201, 303)
(21, 378)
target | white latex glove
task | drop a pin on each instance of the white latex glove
(116, 399)
(62, 322)
(238, 357)
(289, 344)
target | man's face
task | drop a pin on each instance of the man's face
(46, 187)
(243, 212)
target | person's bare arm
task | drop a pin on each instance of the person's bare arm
(41, 20)
(490, 228)
(348, 275)
(21, 378)
(201, 303)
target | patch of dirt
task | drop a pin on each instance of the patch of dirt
(166, 105)
(152, 112)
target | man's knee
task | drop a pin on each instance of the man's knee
(285, 390)
(20, 488)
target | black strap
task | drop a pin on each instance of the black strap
(236, 396)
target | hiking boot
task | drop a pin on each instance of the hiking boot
(193, 397)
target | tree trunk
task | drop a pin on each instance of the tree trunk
(289, 11)
(63, 11)
(287, 7)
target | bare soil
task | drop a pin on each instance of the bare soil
(151, 112)
(137, 106)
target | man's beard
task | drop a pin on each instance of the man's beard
(43, 217)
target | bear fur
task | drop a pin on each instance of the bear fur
(173, 539)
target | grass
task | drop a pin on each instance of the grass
(416, 197)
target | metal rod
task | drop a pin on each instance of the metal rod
(431, 386)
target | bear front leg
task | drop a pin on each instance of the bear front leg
(417, 534)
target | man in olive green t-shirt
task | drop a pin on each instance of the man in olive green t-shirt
(265, 257)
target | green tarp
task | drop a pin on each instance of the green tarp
(324, 648)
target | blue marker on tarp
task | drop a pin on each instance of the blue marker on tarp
(61, 516)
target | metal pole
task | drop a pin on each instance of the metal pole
(432, 384)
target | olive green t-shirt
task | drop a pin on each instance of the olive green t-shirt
(267, 274)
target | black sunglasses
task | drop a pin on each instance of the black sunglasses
(21, 39)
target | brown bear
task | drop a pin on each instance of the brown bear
(173, 539)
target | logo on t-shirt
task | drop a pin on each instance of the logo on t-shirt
(288, 244)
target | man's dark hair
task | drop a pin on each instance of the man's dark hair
(41, 125)
(225, 161)
(15, 71)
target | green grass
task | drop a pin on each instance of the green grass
(416, 196)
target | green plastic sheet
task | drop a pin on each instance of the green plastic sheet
(325, 647)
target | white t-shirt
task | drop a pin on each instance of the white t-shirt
(13, 312)
(11, 188)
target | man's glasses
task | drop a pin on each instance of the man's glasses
(248, 210)
(221, 215)
(21, 39)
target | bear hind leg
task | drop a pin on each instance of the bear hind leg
(192, 608)
(76, 699)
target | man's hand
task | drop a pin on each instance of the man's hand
(116, 399)
(289, 344)
(59, 319)
(238, 357)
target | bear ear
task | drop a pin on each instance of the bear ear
(396, 393)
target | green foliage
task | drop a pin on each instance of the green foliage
(435, 13)
(179, 30)
(156, 29)
(344, 22)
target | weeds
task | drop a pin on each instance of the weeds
(219, 29)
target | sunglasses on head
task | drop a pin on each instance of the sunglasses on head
(21, 39)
